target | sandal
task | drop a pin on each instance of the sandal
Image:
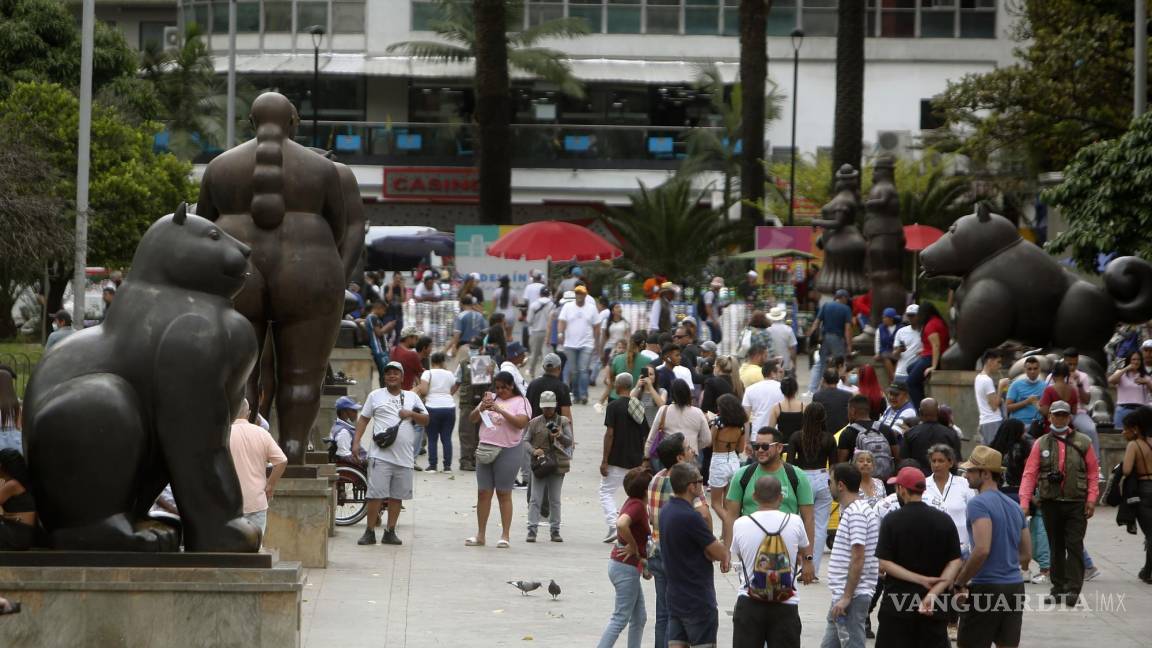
(503, 544)
(473, 542)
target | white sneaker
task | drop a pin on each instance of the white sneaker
(598, 407)
(1091, 573)
(1040, 579)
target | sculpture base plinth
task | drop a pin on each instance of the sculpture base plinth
(955, 389)
(99, 607)
(298, 520)
(134, 559)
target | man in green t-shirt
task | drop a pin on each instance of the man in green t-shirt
(796, 491)
(633, 362)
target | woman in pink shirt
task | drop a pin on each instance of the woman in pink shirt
(1132, 383)
(502, 417)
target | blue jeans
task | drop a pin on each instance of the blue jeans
(441, 420)
(916, 379)
(578, 360)
(656, 567)
(831, 346)
(1118, 417)
(821, 511)
(629, 606)
(848, 631)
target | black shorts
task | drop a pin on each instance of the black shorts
(993, 614)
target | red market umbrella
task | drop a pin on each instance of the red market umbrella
(553, 241)
(917, 237)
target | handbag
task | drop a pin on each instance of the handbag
(652, 454)
(487, 453)
(544, 466)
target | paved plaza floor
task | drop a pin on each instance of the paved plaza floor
(434, 591)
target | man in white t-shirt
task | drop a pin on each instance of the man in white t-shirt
(389, 469)
(579, 335)
(758, 623)
(988, 397)
(907, 343)
(759, 398)
(783, 338)
(853, 567)
(532, 290)
(428, 290)
(537, 321)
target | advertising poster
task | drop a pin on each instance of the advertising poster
(472, 243)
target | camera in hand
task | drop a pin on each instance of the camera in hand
(552, 426)
(1054, 477)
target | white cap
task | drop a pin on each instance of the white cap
(1147, 344)
(753, 273)
(911, 310)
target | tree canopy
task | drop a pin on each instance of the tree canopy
(1071, 85)
(1106, 198)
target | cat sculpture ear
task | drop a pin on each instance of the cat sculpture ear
(181, 214)
(982, 213)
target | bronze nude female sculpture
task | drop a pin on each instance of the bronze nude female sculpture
(885, 236)
(843, 246)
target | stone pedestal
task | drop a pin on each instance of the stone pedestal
(113, 607)
(358, 365)
(298, 520)
(955, 389)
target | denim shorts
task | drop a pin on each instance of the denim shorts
(698, 631)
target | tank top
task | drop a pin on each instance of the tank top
(789, 423)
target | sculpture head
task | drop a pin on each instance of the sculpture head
(884, 169)
(847, 178)
(274, 108)
(186, 251)
(971, 240)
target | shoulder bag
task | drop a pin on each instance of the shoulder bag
(652, 453)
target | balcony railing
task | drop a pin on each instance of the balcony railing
(536, 145)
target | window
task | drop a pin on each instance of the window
(623, 16)
(152, 33)
(663, 17)
(819, 17)
(348, 18)
(220, 17)
(782, 18)
(897, 18)
(200, 17)
(929, 118)
(277, 16)
(702, 17)
(937, 18)
(977, 18)
(310, 14)
(541, 11)
(732, 17)
(592, 11)
(423, 15)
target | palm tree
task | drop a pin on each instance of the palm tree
(710, 149)
(753, 73)
(931, 194)
(848, 139)
(490, 32)
(665, 227)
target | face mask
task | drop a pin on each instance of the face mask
(1059, 430)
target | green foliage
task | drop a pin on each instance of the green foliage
(668, 232)
(1071, 85)
(1106, 198)
(130, 185)
(457, 27)
(41, 42)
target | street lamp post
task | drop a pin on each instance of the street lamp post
(797, 42)
(317, 36)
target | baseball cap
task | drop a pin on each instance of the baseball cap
(1146, 344)
(577, 271)
(910, 478)
(898, 387)
(753, 273)
(474, 276)
(842, 293)
(428, 274)
(547, 399)
(1060, 406)
(708, 346)
(579, 290)
(984, 458)
(552, 361)
(891, 312)
(515, 349)
(394, 365)
(345, 402)
(911, 310)
(410, 331)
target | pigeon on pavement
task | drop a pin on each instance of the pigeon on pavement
(553, 589)
(525, 586)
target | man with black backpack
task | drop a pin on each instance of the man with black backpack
(865, 434)
(769, 544)
(796, 495)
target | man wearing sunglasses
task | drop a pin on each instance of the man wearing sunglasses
(796, 491)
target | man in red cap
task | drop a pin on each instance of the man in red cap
(919, 550)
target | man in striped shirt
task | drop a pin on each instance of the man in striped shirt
(853, 567)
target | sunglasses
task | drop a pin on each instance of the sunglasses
(765, 446)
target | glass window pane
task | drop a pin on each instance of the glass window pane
(220, 17)
(623, 20)
(200, 14)
(899, 4)
(978, 25)
(732, 22)
(591, 15)
(423, 14)
(819, 4)
(819, 23)
(277, 16)
(348, 18)
(248, 17)
(951, 4)
(937, 24)
(663, 20)
(701, 20)
(781, 21)
(152, 33)
(309, 14)
(977, 4)
(542, 13)
(897, 24)
(702, 3)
